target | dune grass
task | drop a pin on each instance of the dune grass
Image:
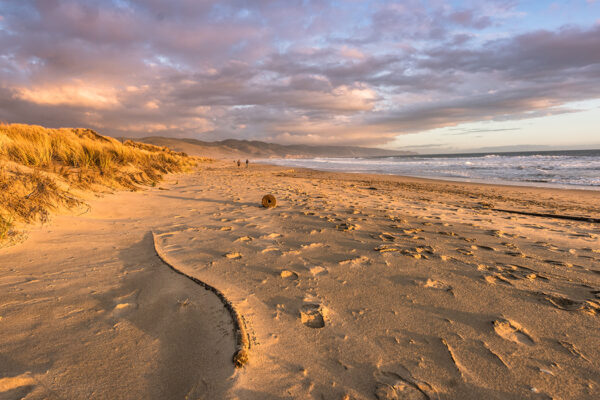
(41, 169)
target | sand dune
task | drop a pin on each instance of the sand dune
(353, 287)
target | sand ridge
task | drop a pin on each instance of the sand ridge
(240, 357)
(354, 286)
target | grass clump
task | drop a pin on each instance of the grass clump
(41, 169)
(5, 225)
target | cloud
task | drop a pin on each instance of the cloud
(533, 55)
(299, 71)
(468, 18)
(471, 131)
(76, 94)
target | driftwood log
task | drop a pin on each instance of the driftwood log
(269, 201)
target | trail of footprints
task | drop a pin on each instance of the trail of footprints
(402, 237)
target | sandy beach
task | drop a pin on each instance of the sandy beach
(353, 287)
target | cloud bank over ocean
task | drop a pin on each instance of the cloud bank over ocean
(315, 72)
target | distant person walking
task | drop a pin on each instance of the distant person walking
(247, 163)
(239, 163)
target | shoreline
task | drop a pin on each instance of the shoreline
(433, 180)
(354, 286)
(500, 182)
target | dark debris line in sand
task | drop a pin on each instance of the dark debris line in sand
(242, 343)
(546, 215)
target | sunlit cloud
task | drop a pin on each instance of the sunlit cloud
(77, 95)
(294, 72)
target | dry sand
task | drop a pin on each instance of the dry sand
(354, 287)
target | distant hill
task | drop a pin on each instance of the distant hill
(232, 148)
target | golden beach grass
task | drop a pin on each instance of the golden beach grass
(39, 168)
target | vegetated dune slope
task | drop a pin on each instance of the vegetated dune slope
(46, 169)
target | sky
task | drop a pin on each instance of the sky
(429, 76)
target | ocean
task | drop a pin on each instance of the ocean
(565, 169)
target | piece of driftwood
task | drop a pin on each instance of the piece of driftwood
(269, 201)
(240, 357)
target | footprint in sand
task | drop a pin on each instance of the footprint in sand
(11, 383)
(494, 278)
(345, 226)
(412, 231)
(384, 248)
(317, 270)
(311, 315)
(312, 246)
(465, 252)
(122, 309)
(563, 303)
(571, 348)
(392, 386)
(271, 236)
(414, 253)
(355, 262)
(233, 256)
(513, 331)
(511, 272)
(434, 284)
(501, 234)
(488, 248)
(387, 237)
(289, 275)
(559, 263)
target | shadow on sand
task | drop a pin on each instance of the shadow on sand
(187, 323)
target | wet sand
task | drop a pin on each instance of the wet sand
(353, 287)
